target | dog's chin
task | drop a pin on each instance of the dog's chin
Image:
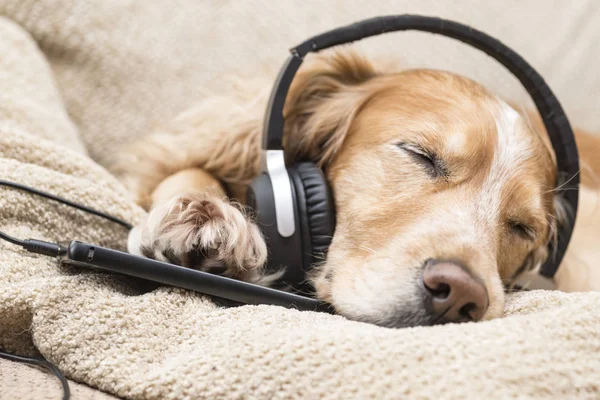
(404, 313)
(402, 318)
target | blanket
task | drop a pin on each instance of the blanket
(80, 79)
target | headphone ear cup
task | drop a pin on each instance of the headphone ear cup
(316, 210)
(283, 251)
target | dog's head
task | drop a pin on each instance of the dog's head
(443, 192)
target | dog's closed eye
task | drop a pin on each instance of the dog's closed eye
(432, 164)
(522, 230)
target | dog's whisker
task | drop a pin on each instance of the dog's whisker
(568, 180)
(365, 248)
(557, 190)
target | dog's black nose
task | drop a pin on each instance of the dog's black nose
(452, 294)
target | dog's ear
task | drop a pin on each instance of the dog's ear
(561, 217)
(557, 222)
(323, 100)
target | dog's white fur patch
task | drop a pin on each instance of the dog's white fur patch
(512, 148)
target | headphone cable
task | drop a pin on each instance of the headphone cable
(48, 248)
(52, 250)
(11, 239)
(42, 363)
(69, 203)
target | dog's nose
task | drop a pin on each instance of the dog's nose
(452, 293)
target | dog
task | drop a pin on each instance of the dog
(444, 193)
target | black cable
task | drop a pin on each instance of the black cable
(11, 239)
(45, 364)
(36, 246)
(67, 202)
(49, 249)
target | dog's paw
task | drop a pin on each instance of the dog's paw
(203, 232)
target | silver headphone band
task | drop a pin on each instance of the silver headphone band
(282, 191)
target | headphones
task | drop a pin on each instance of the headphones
(294, 205)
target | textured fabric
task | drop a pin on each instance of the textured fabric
(106, 71)
(19, 381)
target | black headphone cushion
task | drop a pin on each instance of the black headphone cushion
(320, 209)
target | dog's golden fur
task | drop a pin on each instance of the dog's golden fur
(423, 164)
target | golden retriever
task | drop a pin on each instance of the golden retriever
(444, 192)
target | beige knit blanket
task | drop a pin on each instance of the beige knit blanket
(80, 78)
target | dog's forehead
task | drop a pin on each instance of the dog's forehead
(514, 165)
(514, 145)
(494, 136)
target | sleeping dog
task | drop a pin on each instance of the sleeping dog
(444, 193)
